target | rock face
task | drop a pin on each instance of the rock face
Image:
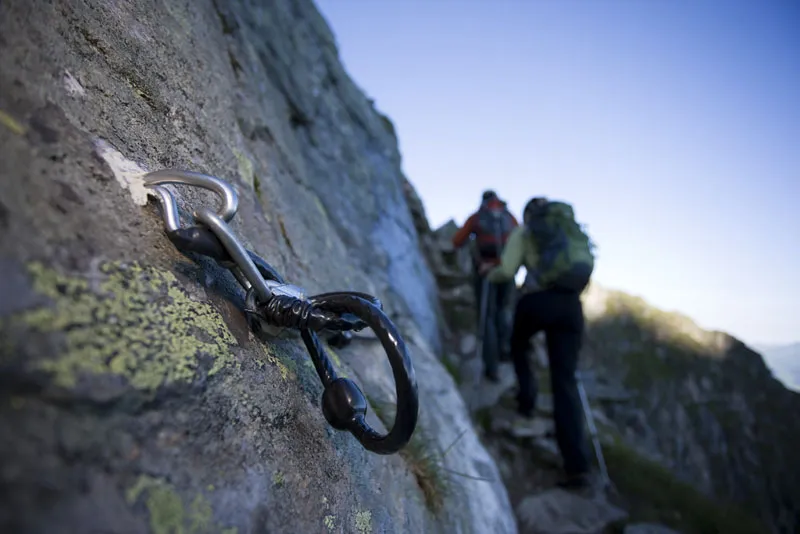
(134, 397)
(647, 528)
(558, 511)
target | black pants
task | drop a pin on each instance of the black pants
(560, 315)
(496, 326)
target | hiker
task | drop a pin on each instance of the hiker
(490, 226)
(558, 257)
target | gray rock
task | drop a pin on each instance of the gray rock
(544, 403)
(506, 421)
(533, 428)
(556, 511)
(648, 528)
(549, 447)
(608, 392)
(468, 344)
(481, 393)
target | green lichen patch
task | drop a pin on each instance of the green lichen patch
(201, 515)
(363, 521)
(246, 171)
(166, 509)
(283, 369)
(330, 522)
(135, 322)
(9, 122)
(337, 361)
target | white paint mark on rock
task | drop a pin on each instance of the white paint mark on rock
(72, 85)
(128, 173)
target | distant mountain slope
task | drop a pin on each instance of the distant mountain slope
(784, 360)
(702, 403)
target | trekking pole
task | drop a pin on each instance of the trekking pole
(482, 321)
(587, 411)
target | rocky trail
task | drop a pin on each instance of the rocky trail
(530, 463)
(526, 452)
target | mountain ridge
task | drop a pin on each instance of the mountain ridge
(705, 404)
(784, 361)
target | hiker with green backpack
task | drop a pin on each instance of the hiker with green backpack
(558, 257)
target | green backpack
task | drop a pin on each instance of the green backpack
(566, 260)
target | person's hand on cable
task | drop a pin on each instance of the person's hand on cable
(485, 267)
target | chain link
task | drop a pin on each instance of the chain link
(271, 302)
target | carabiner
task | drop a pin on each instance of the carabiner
(214, 221)
(238, 253)
(230, 200)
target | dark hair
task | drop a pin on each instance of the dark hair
(489, 195)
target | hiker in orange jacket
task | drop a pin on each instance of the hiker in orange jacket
(490, 226)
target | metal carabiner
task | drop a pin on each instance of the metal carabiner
(214, 221)
(152, 180)
(237, 252)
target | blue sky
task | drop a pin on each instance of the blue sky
(672, 126)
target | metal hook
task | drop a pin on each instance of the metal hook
(215, 221)
(230, 200)
(237, 252)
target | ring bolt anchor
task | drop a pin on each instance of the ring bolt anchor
(272, 305)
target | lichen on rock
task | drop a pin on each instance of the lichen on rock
(363, 522)
(136, 322)
(167, 512)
